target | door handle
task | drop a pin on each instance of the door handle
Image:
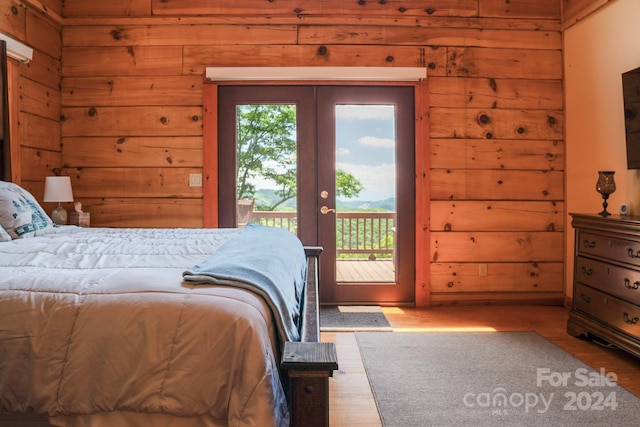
(325, 210)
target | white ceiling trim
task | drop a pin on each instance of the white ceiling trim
(390, 74)
(17, 50)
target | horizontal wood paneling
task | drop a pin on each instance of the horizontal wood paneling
(47, 38)
(132, 121)
(132, 110)
(543, 9)
(302, 8)
(376, 35)
(106, 8)
(516, 185)
(44, 70)
(54, 6)
(197, 58)
(145, 212)
(130, 60)
(483, 246)
(40, 132)
(504, 63)
(13, 19)
(427, 21)
(35, 103)
(497, 154)
(496, 123)
(489, 92)
(40, 100)
(36, 164)
(451, 278)
(495, 298)
(497, 216)
(132, 91)
(137, 183)
(179, 35)
(133, 152)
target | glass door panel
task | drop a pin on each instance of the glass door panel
(266, 164)
(366, 184)
(365, 193)
(264, 133)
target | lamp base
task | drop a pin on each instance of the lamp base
(59, 215)
(604, 212)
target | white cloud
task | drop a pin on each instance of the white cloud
(343, 152)
(379, 181)
(373, 141)
(365, 112)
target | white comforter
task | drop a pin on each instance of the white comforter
(99, 320)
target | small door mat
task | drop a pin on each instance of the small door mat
(343, 318)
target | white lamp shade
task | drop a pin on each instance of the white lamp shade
(58, 189)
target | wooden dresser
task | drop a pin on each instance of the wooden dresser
(606, 285)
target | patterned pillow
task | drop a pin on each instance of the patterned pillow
(20, 214)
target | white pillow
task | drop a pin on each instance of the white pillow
(4, 236)
(20, 214)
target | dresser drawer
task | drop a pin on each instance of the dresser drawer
(614, 248)
(619, 281)
(608, 309)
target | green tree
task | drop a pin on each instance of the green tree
(266, 148)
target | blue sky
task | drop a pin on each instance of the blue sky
(365, 147)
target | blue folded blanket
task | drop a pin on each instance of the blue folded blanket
(266, 260)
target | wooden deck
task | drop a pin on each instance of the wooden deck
(364, 270)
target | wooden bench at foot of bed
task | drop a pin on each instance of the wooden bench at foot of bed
(308, 366)
(309, 363)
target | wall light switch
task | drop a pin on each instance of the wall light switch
(482, 270)
(195, 180)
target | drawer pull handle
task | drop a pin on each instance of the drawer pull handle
(632, 321)
(633, 254)
(590, 244)
(585, 298)
(586, 271)
(633, 286)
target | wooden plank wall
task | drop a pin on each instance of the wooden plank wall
(35, 120)
(132, 116)
(130, 106)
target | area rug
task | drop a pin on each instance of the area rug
(488, 379)
(353, 318)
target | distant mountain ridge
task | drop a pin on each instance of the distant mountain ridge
(269, 197)
(387, 205)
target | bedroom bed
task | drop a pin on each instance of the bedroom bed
(157, 327)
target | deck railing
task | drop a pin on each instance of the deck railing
(286, 220)
(369, 234)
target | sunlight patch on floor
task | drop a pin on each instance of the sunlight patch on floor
(453, 329)
(392, 310)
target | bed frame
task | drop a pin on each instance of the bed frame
(305, 366)
(308, 364)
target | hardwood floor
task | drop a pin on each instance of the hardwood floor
(352, 402)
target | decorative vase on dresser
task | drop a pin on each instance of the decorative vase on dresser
(606, 280)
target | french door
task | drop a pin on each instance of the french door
(335, 165)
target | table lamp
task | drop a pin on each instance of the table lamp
(605, 186)
(58, 189)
